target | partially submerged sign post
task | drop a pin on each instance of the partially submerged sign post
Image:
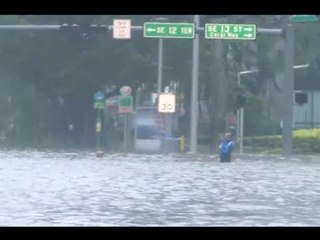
(125, 106)
(167, 105)
(99, 99)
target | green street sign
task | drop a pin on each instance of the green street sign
(304, 18)
(99, 105)
(125, 104)
(230, 31)
(168, 30)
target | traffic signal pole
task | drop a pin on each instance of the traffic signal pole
(288, 92)
(194, 90)
(30, 27)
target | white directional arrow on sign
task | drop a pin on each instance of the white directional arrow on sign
(248, 35)
(249, 29)
(151, 30)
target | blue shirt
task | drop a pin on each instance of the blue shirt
(226, 147)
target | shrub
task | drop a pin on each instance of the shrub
(304, 141)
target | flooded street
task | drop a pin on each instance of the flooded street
(77, 189)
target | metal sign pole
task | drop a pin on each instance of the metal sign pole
(169, 124)
(241, 130)
(98, 129)
(160, 63)
(166, 132)
(125, 133)
(128, 130)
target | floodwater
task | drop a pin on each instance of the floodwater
(77, 189)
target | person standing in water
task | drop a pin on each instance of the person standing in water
(226, 148)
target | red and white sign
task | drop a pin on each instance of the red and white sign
(125, 91)
(122, 28)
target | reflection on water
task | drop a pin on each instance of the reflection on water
(76, 188)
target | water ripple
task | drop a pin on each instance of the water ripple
(42, 188)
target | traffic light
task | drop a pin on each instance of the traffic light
(300, 98)
(241, 101)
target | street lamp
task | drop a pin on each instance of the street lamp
(301, 66)
(240, 113)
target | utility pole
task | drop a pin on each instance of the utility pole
(288, 91)
(194, 89)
